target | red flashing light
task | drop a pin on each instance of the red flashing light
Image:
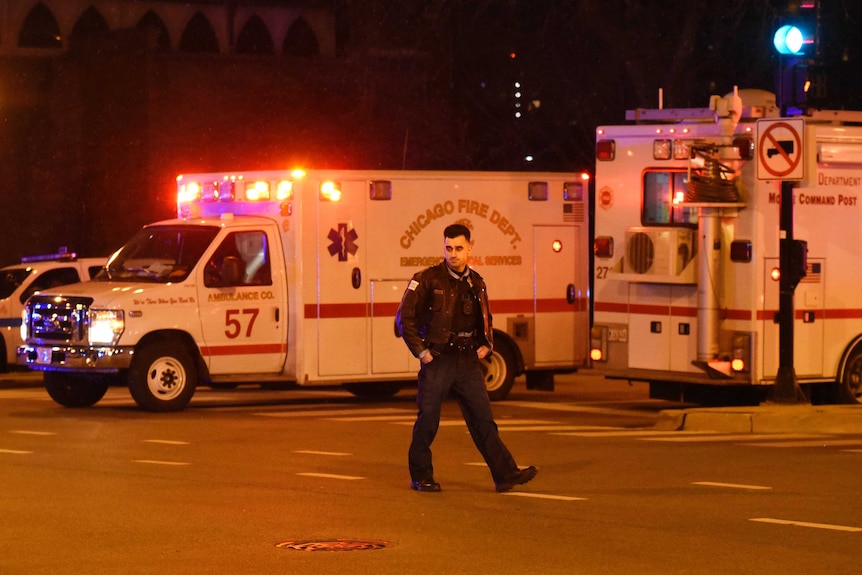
(606, 150)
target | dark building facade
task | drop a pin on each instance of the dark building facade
(104, 102)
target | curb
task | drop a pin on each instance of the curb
(833, 419)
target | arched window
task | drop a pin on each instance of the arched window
(40, 29)
(151, 21)
(199, 36)
(91, 25)
(300, 40)
(254, 38)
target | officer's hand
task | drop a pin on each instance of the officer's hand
(482, 352)
(427, 358)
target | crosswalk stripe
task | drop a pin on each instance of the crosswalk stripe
(331, 476)
(743, 437)
(338, 412)
(544, 496)
(814, 443)
(806, 524)
(731, 485)
(556, 428)
(571, 407)
(357, 418)
(618, 433)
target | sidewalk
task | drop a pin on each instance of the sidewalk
(766, 418)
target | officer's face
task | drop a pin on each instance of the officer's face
(457, 252)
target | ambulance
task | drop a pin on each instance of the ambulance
(688, 229)
(292, 277)
(35, 273)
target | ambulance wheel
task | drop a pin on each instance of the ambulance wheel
(500, 369)
(850, 386)
(74, 390)
(163, 376)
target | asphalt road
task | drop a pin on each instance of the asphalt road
(251, 481)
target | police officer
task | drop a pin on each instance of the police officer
(445, 321)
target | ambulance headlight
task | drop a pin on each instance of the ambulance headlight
(106, 326)
(25, 323)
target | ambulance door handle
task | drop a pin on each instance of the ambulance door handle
(277, 315)
(571, 293)
(356, 278)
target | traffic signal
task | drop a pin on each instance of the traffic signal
(797, 34)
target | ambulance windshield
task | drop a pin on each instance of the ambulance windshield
(159, 254)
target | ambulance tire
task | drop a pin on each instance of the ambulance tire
(163, 376)
(500, 369)
(71, 390)
(850, 385)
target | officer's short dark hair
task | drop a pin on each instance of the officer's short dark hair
(455, 230)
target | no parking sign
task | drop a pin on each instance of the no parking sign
(780, 148)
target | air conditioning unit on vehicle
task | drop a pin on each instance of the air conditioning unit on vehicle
(658, 251)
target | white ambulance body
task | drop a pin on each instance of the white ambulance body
(35, 273)
(685, 249)
(334, 252)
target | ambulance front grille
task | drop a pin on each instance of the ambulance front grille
(58, 319)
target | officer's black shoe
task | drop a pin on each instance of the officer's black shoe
(426, 485)
(521, 477)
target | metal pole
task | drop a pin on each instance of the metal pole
(786, 388)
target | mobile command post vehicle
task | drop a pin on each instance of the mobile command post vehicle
(296, 277)
(687, 249)
(35, 273)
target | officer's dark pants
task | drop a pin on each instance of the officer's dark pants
(460, 373)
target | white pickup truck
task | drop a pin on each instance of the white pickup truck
(36, 273)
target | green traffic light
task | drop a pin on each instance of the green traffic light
(788, 40)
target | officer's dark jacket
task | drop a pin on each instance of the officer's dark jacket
(424, 317)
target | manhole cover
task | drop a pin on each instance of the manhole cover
(332, 545)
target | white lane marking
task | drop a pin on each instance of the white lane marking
(28, 432)
(544, 496)
(397, 418)
(15, 452)
(852, 450)
(331, 476)
(577, 408)
(338, 412)
(731, 485)
(815, 443)
(558, 428)
(312, 452)
(807, 524)
(166, 442)
(734, 437)
(619, 432)
(158, 462)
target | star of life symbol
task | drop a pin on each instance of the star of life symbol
(343, 242)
